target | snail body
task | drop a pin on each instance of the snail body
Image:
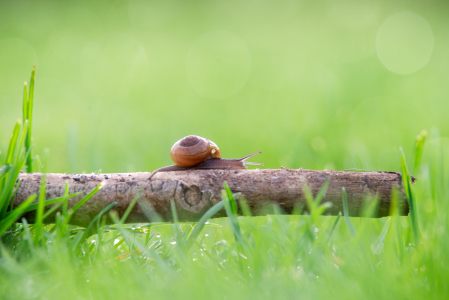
(195, 152)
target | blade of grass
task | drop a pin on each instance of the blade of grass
(378, 243)
(322, 192)
(346, 211)
(79, 204)
(39, 225)
(86, 232)
(246, 211)
(370, 207)
(15, 215)
(11, 206)
(12, 143)
(39, 163)
(34, 206)
(29, 160)
(333, 226)
(200, 224)
(130, 207)
(10, 180)
(28, 236)
(407, 183)
(394, 212)
(51, 210)
(175, 227)
(9, 156)
(149, 211)
(87, 197)
(232, 202)
(25, 102)
(420, 139)
(228, 199)
(4, 170)
(66, 197)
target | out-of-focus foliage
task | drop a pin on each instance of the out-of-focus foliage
(333, 84)
(313, 84)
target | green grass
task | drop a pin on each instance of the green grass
(237, 257)
(118, 82)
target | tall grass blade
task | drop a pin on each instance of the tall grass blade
(25, 102)
(15, 215)
(29, 160)
(370, 207)
(174, 213)
(322, 192)
(394, 212)
(200, 224)
(87, 197)
(51, 210)
(87, 232)
(346, 211)
(28, 236)
(34, 206)
(66, 197)
(420, 139)
(149, 211)
(39, 225)
(12, 143)
(4, 170)
(246, 210)
(11, 204)
(175, 227)
(81, 202)
(232, 202)
(376, 247)
(130, 207)
(334, 226)
(228, 199)
(407, 183)
(10, 179)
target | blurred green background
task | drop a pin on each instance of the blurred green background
(329, 84)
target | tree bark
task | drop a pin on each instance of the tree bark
(194, 192)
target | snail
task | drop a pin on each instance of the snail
(194, 152)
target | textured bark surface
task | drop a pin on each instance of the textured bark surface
(194, 192)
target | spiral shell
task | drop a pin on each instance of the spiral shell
(192, 150)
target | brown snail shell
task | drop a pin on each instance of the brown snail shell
(193, 149)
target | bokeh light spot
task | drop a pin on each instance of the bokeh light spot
(404, 43)
(349, 31)
(218, 64)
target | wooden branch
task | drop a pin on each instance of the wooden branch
(194, 192)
